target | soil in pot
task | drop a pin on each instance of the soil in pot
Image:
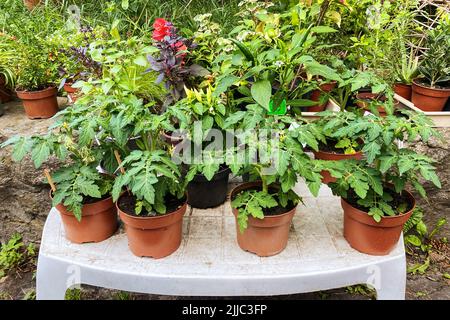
(151, 234)
(203, 194)
(403, 90)
(99, 221)
(39, 104)
(366, 235)
(329, 152)
(264, 237)
(316, 95)
(427, 98)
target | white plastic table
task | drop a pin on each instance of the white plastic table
(210, 263)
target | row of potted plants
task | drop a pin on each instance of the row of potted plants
(161, 123)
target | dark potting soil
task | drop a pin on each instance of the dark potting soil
(275, 211)
(443, 85)
(127, 204)
(90, 200)
(397, 200)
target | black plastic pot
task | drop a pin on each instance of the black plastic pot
(204, 194)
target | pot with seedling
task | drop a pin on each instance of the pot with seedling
(153, 202)
(375, 201)
(80, 193)
(337, 141)
(274, 157)
(200, 116)
(432, 90)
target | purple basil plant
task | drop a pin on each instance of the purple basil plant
(172, 63)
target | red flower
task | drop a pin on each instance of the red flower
(162, 29)
(180, 46)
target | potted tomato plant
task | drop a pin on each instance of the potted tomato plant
(374, 193)
(153, 204)
(80, 193)
(432, 89)
(265, 206)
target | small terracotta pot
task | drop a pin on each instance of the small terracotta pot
(39, 104)
(362, 102)
(403, 90)
(155, 237)
(429, 99)
(322, 155)
(98, 222)
(264, 237)
(31, 4)
(366, 235)
(317, 94)
(72, 93)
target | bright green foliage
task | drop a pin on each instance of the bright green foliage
(14, 253)
(149, 176)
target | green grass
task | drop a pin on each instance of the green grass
(136, 19)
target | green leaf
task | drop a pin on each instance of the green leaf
(141, 61)
(262, 92)
(323, 29)
(209, 170)
(414, 240)
(224, 83)
(40, 153)
(21, 148)
(125, 4)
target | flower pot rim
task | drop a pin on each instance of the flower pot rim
(86, 206)
(416, 83)
(147, 218)
(49, 88)
(364, 214)
(338, 154)
(257, 183)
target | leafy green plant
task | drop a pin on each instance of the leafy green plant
(14, 253)
(377, 183)
(435, 65)
(277, 166)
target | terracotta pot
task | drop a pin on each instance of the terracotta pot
(429, 99)
(5, 93)
(264, 237)
(322, 155)
(403, 90)
(39, 104)
(317, 94)
(155, 237)
(31, 4)
(363, 102)
(366, 235)
(98, 222)
(72, 93)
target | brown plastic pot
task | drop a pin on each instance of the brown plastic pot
(363, 99)
(366, 235)
(403, 90)
(98, 222)
(264, 237)
(39, 104)
(322, 155)
(72, 93)
(155, 237)
(429, 99)
(317, 94)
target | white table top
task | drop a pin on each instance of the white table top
(209, 248)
